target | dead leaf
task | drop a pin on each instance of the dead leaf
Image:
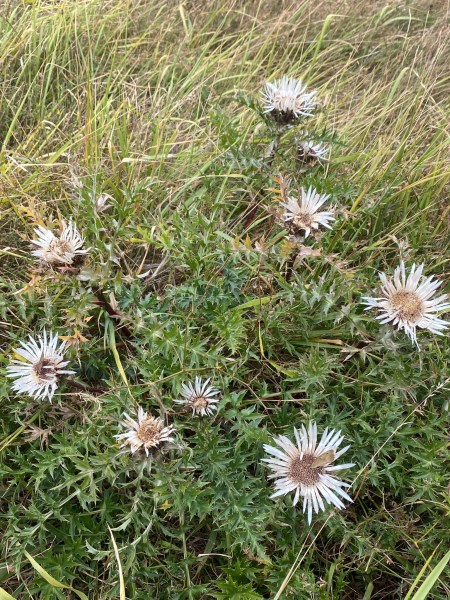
(286, 249)
(75, 339)
(282, 192)
(36, 432)
(308, 251)
(248, 243)
(30, 285)
(32, 213)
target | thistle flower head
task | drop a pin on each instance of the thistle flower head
(100, 203)
(199, 396)
(306, 468)
(303, 214)
(311, 153)
(58, 250)
(144, 432)
(286, 100)
(407, 302)
(41, 366)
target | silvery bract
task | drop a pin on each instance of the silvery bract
(144, 432)
(54, 250)
(43, 362)
(310, 153)
(286, 100)
(303, 214)
(306, 468)
(407, 302)
(200, 396)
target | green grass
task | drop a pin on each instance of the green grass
(156, 105)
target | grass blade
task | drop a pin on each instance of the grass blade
(432, 578)
(112, 345)
(121, 580)
(420, 575)
(51, 580)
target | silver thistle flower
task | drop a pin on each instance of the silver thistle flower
(62, 250)
(43, 363)
(286, 100)
(311, 153)
(100, 203)
(145, 432)
(306, 467)
(407, 302)
(199, 396)
(303, 214)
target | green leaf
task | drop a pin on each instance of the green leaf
(256, 302)
(51, 580)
